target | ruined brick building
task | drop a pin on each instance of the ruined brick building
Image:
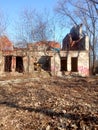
(72, 58)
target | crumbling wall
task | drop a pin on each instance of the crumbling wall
(55, 64)
(83, 64)
(79, 66)
(75, 39)
(76, 49)
(1, 62)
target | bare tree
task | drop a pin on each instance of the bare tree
(42, 27)
(33, 26)
(81, 11)
(3, 23)
(95, 4)
(94, 1)
(25, 27)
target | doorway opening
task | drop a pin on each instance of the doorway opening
(63, 63)
(19, 64)
(74, 64)
(7, 64)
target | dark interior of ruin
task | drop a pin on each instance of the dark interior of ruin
(7, 64)
(74, 64)
(19, 64)
(45, 62)
(63, 63)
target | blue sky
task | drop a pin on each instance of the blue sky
(16, 5)
(12, 8)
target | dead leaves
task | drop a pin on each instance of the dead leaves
(49, 104)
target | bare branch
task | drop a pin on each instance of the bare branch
(94, 1)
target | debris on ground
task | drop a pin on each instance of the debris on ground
(55, 103)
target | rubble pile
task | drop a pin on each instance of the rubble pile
(49, 103)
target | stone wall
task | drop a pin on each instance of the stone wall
(76, 62)
(82, 58)
(82, 62)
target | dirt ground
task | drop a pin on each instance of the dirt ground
(48, 103)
